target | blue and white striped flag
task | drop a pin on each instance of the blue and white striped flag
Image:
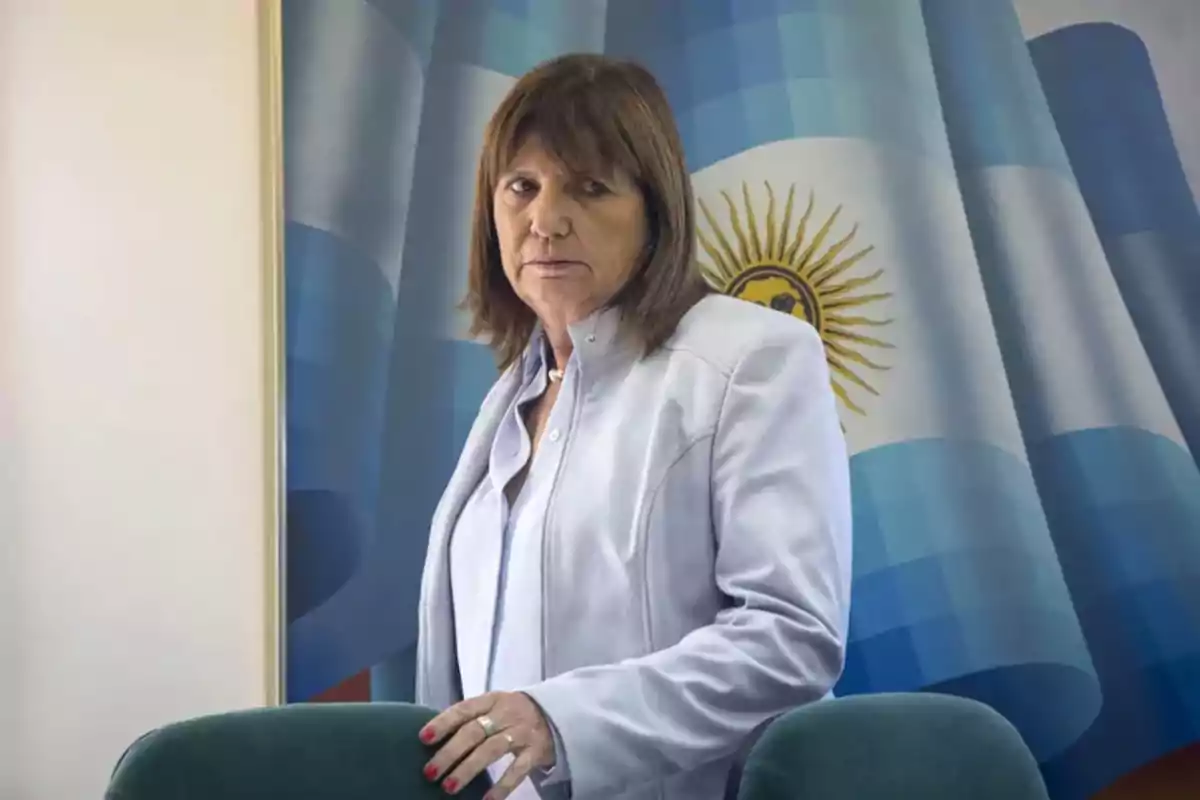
(993, 236)
(354, 76)
(1120, 487)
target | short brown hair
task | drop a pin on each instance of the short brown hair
(592, 112)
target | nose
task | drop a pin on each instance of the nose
(549, 214)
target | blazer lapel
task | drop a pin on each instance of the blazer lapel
(437, 665)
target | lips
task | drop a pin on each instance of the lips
(553, 268)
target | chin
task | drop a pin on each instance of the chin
(562, 307)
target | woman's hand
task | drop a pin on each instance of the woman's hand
(482, 730)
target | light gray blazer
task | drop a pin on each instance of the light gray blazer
(697, 551)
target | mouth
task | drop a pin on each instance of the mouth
(553, 266)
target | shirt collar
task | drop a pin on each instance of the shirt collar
(598, 341)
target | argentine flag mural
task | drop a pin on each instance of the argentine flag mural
(984, 213)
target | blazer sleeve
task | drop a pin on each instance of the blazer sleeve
(780, 496)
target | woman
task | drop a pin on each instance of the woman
(643, 554)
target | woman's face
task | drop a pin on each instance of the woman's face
(568, 242)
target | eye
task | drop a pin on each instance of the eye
(522, 186)
(593, 188)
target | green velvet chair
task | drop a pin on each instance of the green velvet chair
(892, 747)
(351, 751)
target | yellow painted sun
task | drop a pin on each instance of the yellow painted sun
(779, 268)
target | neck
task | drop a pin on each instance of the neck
(561, 347)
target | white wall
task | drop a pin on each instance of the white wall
(131, 392)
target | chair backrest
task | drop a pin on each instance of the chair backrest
(350, 751)
(887, 746)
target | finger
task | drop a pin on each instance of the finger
(517, 771)
(490, 751)
(464, 740)
(455, 717)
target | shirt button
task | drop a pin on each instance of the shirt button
(591, 337)
(555, 435)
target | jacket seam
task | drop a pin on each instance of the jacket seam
(723, 371)
(643, 535)
(708, 434)
(712, 456)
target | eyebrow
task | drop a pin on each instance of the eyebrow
(611, 174)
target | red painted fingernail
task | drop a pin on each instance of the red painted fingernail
(451, 786)
(427, 735)
(431, 772)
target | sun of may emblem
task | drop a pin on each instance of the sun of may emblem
(776, 267)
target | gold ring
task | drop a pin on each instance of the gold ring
(489, 727)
